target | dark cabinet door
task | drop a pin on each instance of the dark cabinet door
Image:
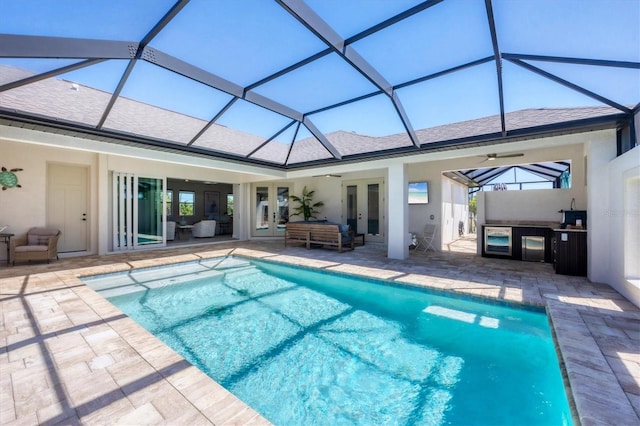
(522, 231)
(571, 253)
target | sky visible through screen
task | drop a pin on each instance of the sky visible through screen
(248, 40)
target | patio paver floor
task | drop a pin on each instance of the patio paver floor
(69, 356)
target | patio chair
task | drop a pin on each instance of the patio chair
(38, 244)
(204, 228)
(426, 239)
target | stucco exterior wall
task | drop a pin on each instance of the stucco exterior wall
(26, 207)
(601, 183)
(619, 218)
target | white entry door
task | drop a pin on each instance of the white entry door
(363, 208)
(271, 209)
(67, 205)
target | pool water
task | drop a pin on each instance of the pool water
(313, 348)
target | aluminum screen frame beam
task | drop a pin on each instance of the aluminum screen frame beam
(498, 58)
(49, 74)
(163, 22)
(212, 121)
(45, 47)
(90, 52)
(575, 61)
(363, 34)
(190, 71)
(278, 133)
(393, 20)
(314, 23)
(322, 138)
(570, 85)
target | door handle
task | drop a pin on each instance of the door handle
(274, 217)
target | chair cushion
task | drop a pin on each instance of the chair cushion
(40, 236)
(38, 240)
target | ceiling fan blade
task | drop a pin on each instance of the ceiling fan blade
(493, 156)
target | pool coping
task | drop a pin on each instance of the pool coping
(49, 313)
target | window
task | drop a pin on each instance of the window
(230, 204)
(169, 203)
(187, 200)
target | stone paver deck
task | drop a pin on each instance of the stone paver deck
(68, 356)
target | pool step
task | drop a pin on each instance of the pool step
(225, 263)
(127, 284)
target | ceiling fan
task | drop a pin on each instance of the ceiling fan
(493, 156)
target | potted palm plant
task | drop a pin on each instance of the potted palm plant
(306, 208)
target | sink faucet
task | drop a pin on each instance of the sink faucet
(573, 204)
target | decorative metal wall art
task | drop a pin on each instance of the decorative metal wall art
(8, 178)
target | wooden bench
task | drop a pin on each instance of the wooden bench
(296, 233)
(316, 233)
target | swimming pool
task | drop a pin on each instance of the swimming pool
(307, 347)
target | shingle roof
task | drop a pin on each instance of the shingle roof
(517, 120)
(68, 102)
(282, 84)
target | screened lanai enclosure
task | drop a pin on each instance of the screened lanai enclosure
(291, 84)
(548, 175)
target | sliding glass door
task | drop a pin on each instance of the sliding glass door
(150, 223)
(138, 211)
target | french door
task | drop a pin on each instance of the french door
(138, 211)
(271, 209)
(363, 208)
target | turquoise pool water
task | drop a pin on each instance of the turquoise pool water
(313, 348)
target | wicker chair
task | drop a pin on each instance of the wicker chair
(38, 244)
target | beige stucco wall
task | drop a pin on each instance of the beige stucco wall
(602, 192)
(26, 207)
(533, 205)
(32, 150)
(614, 250)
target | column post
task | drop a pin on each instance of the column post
(398, 218)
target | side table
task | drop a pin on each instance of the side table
(183, 228)
(6, 238)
